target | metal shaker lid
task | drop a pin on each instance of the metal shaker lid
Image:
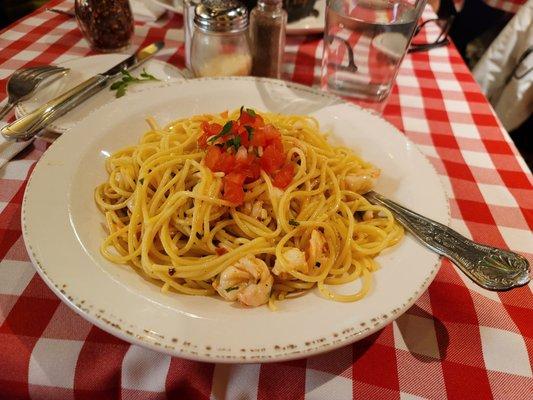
(221, 16)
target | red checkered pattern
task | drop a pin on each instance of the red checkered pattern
(458, 341)
(511, 6)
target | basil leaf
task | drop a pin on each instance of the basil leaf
(251, 112)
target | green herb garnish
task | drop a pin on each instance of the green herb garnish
(250, 112)
(250, 131)
(127, 79)
(294, 222)
(141, 181)
(226, 129)
(232, 288)
(235, 142)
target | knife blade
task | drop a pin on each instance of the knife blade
(27, 127)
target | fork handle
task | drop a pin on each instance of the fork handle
(27, 127)
(6, 109)
(490, 267)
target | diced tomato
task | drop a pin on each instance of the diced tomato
(246, 119)
(212, 157)
(249, 167)
(272, 159)
(218, 160)
(284, 176)
(233, 190)
(259, 121)
(208, 130)
(243, 133)
(265, 136)
(225, 163)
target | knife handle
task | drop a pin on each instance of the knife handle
(27, 127)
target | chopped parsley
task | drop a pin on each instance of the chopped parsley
(141, 181)
(250, 131)
(251, 112)
(235, 142)
(294, 222)
(232, 288)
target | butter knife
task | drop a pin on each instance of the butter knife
(489, 267)
(27, 127)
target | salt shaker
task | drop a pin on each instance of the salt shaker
(220, 41)
(267, 30)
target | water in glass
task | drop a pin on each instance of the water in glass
(364, 44)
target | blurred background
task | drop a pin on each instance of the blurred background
(499, 57)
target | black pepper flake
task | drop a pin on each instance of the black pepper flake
(317, 264)
(171, 271)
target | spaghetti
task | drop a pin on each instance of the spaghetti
(254, 207)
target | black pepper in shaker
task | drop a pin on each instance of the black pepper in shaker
(267, 30)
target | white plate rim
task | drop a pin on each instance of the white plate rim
(321, 345)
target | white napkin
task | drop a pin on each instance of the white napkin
(8, 150)
(146, 10)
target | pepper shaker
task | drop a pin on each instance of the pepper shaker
(267, 30)
(220, 44)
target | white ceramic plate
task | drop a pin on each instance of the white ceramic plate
(82, 69)
(304, 26)
(63, 230)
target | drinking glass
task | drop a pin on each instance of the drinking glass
(364, 44)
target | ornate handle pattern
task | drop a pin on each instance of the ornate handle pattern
(489, 267)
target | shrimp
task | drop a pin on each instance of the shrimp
(248, 281)
(255, 209)
(362, 181)
(296, 261)
(316, 247)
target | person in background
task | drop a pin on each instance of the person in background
(11, 10)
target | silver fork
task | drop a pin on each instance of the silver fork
(24, 81)
(489, 267)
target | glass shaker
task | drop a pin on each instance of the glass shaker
(220, 41)
(106, 24)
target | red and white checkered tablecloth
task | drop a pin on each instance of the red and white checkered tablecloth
(458, 341)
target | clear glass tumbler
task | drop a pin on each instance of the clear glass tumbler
(364, 44)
